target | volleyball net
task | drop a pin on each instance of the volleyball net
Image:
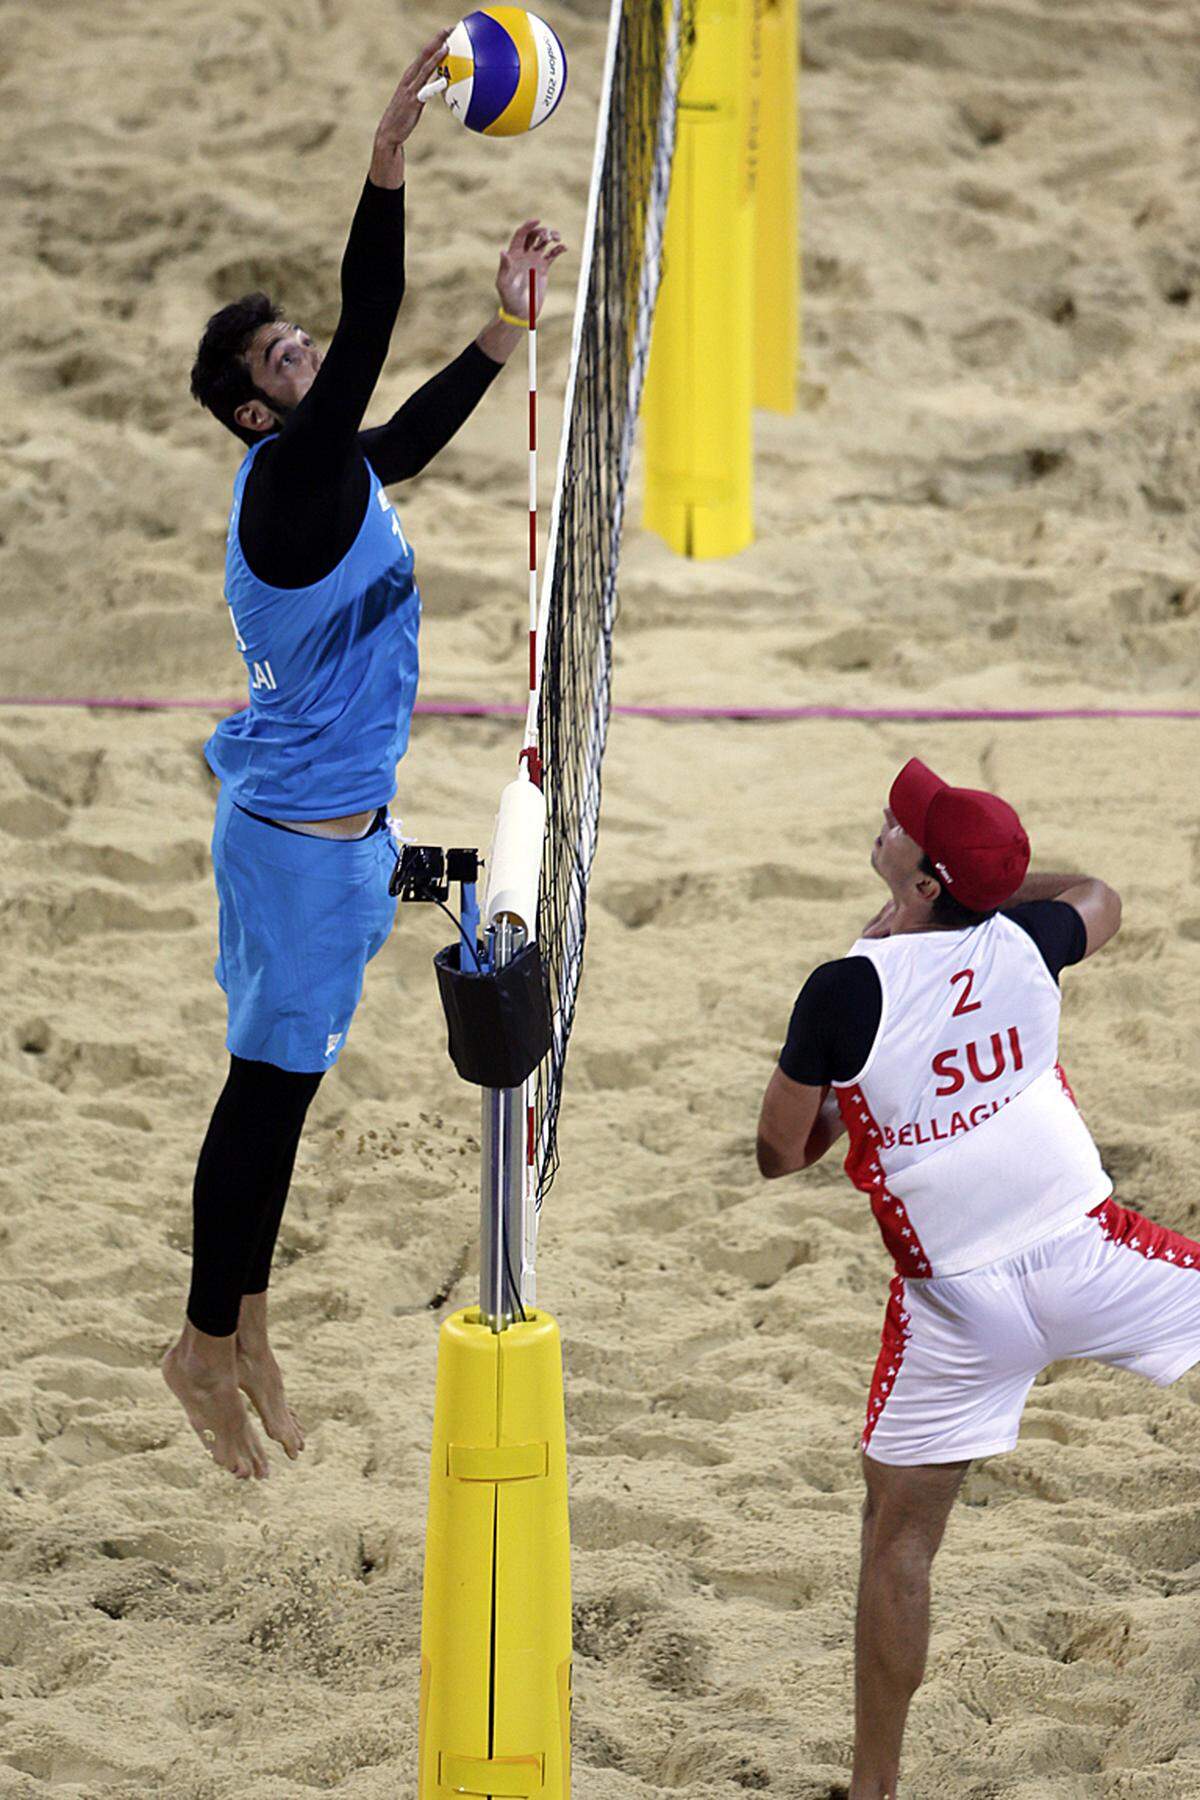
(568, 718)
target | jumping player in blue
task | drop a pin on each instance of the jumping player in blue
(325, 611)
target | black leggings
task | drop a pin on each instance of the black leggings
(241, 1187)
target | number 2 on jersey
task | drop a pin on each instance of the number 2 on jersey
(964, 1003)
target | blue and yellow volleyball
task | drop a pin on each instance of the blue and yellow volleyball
(506, 71)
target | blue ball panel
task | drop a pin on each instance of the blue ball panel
(497, 70)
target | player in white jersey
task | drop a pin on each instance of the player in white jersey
(934, 1045)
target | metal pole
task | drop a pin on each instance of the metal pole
(502, 1185)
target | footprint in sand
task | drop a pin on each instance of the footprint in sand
(93, 1382)
(143, 1591)
(601, 1523)
(674, 1660)
(988, 197)
(788, 1587)
(1047, 1426)
(31, 816)
(761, 1264)
(855, 647)
(959, 480)
(639, 903)
(992, 344)
(780, 881)
(620, 1070)
(664, 1446)
(67, 1064)
(825, 274)
(93, 1439)
(91, 1348)
(184, 862)
(125, 1118)
(712, 1402)
(58, 918)
(72, 778)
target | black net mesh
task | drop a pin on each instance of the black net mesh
(616, 305)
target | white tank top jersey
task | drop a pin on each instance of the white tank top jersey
(962, 1127)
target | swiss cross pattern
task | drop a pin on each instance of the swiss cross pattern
(866, 1172)
(897, 1329)
(1121, 1226)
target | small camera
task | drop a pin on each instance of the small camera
(425, 871)
(420, 873)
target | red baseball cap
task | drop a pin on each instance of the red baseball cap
(974, 840)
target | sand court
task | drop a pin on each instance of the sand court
(719, 1334)
(985, 502)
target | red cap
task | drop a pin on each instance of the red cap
(974, 840)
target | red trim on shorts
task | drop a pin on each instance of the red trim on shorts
(1067, 1089)
(897, 1330)
(865, 1170)
(1157, 1243)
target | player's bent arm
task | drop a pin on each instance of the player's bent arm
(1099, 906)
(796, 1126)
(429, 418)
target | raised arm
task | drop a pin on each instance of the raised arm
(1098, 905)
(319, 435)
(428, 420)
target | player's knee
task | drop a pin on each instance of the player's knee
(901, 1539)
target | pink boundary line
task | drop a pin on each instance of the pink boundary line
(504, 709)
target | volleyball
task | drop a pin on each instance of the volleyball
(505, 71)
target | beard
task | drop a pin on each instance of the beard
(282, 409)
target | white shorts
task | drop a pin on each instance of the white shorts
(961, 1352)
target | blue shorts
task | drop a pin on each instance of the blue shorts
(300, 918)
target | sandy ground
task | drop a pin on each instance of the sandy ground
(984, 502)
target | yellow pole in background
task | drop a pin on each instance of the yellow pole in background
(496, 1625)
(777, 210)
(699, 390)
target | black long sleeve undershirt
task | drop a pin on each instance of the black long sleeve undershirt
(307, 493)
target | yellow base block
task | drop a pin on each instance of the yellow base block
(496, 1626)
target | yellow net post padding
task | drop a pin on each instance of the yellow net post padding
(700, 383)
(725, 332)
(777, 210)
(496, 1627)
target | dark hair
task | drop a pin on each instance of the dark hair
(221, 378)
(948, 911)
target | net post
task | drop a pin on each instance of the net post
(495, 1695)
(699, 397)
(777, 209)
(502, 1176)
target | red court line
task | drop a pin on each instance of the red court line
(505, 709)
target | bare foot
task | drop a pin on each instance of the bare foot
(215, 1411)
(259, 1376)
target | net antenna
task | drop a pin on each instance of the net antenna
(571, 634)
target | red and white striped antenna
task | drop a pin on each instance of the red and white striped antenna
(529, 754)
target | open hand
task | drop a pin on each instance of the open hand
(532, 246)
(402, 113)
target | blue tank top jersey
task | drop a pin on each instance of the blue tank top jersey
(333, 675)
